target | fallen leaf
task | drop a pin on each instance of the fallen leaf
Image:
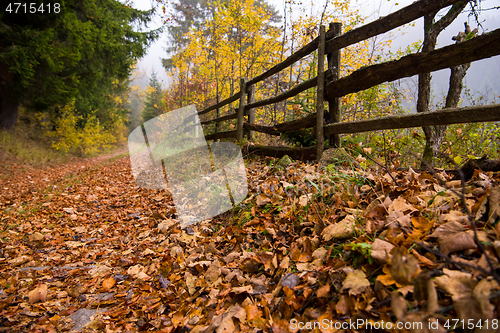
(323, 291)
(341, 230)
(39, 294)
(137, 272)
(381, 251)
(213, 273)
(108, 283)
(403, 267)
(290, 280)
(452, 237)
(356, 282)
(494, 205)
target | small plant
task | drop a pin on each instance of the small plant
(364, 248)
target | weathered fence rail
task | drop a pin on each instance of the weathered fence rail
(331, 87)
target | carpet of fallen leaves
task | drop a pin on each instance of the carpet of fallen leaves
(83, 248)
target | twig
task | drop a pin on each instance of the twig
(451, 261)
(380, 165)
(468, 212)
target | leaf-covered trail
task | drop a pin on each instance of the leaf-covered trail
(304, 247)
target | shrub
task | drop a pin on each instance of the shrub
(85, 135)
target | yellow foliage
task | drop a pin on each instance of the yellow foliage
(89, 139)
(238, 41)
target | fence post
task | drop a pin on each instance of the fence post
(320, 108)
(241, 111)
(334, 110)
(251, 112)
(217, 112)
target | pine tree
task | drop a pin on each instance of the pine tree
(153, 106)
(78, 52)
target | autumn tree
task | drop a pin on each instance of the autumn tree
(80, 50)
(234, 39)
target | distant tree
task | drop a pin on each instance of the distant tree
(77, 51)
(192, 15)
(153, 106)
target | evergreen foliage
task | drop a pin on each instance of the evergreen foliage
(84, 52)
(153, 104)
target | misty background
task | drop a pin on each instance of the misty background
(482, 79)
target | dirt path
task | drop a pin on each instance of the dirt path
(83, 248)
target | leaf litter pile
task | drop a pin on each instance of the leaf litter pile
(84, 249)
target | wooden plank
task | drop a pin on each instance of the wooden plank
(241, 111)
(477, 48)
(387, 23)
(320, 107)
(304, 154)
(290, 93)
(334, 109)
(221, 135)
(220, 119)
(221, 104)
(464, 115)
(306, 122)
(384, 24)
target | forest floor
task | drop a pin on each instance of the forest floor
(84, 249)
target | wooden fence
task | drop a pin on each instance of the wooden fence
(330, 87)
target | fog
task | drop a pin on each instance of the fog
(482, 77)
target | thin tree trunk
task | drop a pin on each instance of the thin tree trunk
(453, 97)
(8, 112)
(431, 31)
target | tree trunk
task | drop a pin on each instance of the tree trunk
(431, 31)
(9, 102)
(8, 112)
(452, 98)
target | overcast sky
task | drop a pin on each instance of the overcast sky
(481, 76)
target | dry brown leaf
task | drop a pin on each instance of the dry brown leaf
(290, 280)
(250, 265)
(398, 305)
(37, 237)
(341, 230)
(402, 205)
(356, 282)
(39, 294)
(470, 298)
(213, 273)
(494, 205)
(452, 237)
(320, 253)
(108, 283)
(138, 272)
(190, 282)
(454, 215)
(381, 251)
(165, 225)
(323, 291)
(403, 267)
(286, 262)
(101, 270)
(254, 315)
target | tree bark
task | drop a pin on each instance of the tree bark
(431, 31)
(8, 112)
(9, 102)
